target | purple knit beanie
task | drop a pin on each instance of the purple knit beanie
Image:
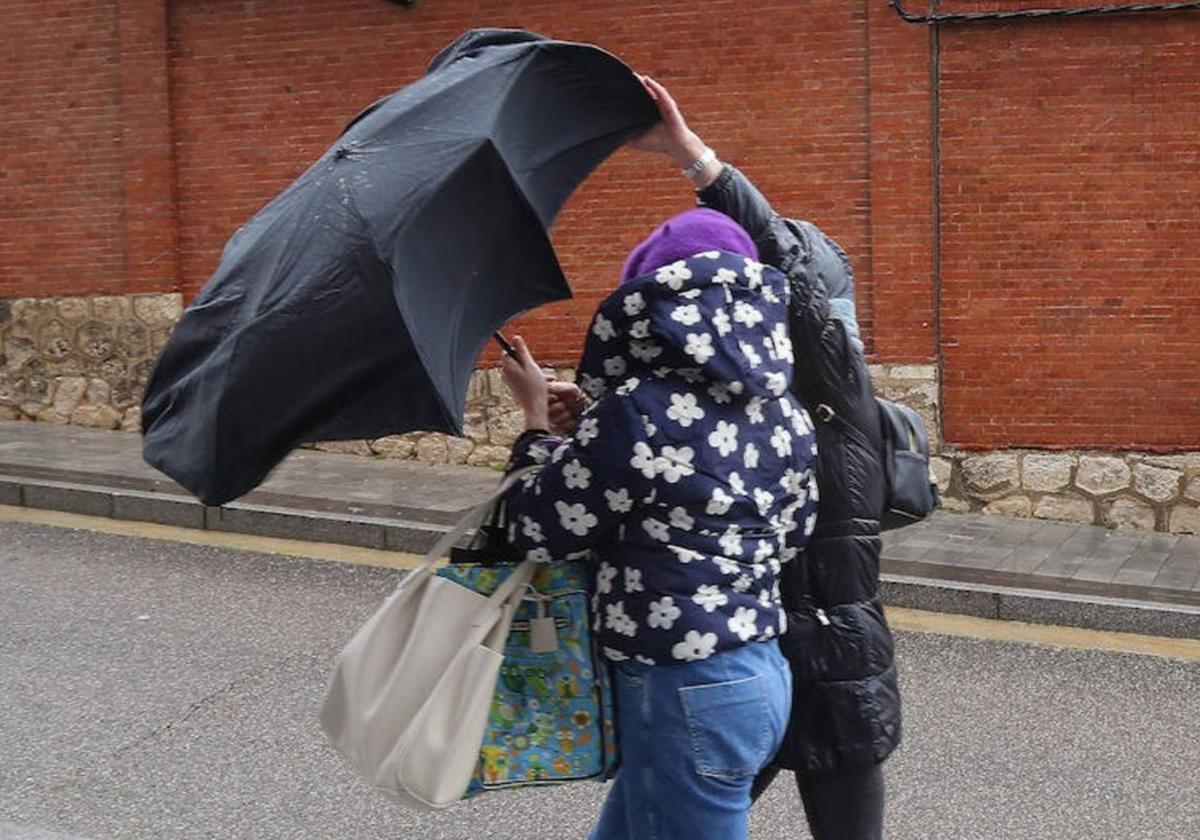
(686, 235)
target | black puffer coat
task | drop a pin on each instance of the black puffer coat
(846, 705)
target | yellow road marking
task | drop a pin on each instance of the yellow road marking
(216, 539)
(991, 629)
(900, 618)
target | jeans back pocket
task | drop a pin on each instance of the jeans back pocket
(729, 727)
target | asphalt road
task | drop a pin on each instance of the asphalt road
(158, 690)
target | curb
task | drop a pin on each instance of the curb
(345, 528)
(981, 600)
(1035, 606)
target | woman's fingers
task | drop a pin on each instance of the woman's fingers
(525, 356)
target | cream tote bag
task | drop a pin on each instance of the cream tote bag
(409, 699)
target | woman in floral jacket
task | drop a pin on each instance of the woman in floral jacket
(690, 482)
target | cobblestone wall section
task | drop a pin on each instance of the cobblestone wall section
(81, 360)
(1137, 490)
(85, 360)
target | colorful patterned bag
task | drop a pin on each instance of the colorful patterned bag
(552, 719)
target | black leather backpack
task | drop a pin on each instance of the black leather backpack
(910, 490)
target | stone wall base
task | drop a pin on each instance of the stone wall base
(81, 360)
(85, 360)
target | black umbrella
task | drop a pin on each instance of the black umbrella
(356, 303)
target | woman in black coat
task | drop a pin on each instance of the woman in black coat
(846, 704)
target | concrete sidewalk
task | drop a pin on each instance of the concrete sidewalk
(996, 567)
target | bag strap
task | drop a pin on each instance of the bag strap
(475, 517)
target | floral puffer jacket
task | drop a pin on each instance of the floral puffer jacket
(691, 480)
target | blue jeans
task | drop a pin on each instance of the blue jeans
(693, 737)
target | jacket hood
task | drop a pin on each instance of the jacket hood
(716, 317)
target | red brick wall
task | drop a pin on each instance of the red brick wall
(138, 140)
(60, 167)
(1070, 261)
(261, 89)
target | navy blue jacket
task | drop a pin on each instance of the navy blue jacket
(690, 480)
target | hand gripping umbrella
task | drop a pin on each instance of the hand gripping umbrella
(356, 303)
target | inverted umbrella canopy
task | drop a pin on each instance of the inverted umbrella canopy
(356, 303)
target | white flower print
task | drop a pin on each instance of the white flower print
(604, 580)
(754, 410)
(726, 565)
(634, 303)
(754, 270)
(617, 621)
(783, 621)
(663, 613)
(540, 454)
(724, 438)
(750, 353)
(747, 313)
(576, 476)
(725, 277)
(575, 518)
(731, 541)
(710, 597)
(721, 391)
(763, 499)
(614, 365)
(781, 441)
(560, 452)
(643, 459)
(686, 314)
(770, 345)
(719, 504)
(810, 524)
(588, 431)
(538, 555)
(603, 328)
(801, 423)
(764, 598)
(673, 464)
(611, 653)
(690, 375)
(648, 426)
(657, 529)
(633, 580)
(793, 481)
(742, 583)
(661, 372)
(628, 386)
(674, 275)
(783, 344)
(700, 347)
(685, 409)
(685, 555)
(532, 529)
(618, 500)
(695, 646)
(645, 660)
(593, 386)
(640, 329)
(720, 320)
(785, 408)
(763, 552)
(759, 570)
(644, 351)
(769, 294)
(736, 484)
(742, 624)
(777, 383)
(750, 456)
(680, 518)
(710, 255)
